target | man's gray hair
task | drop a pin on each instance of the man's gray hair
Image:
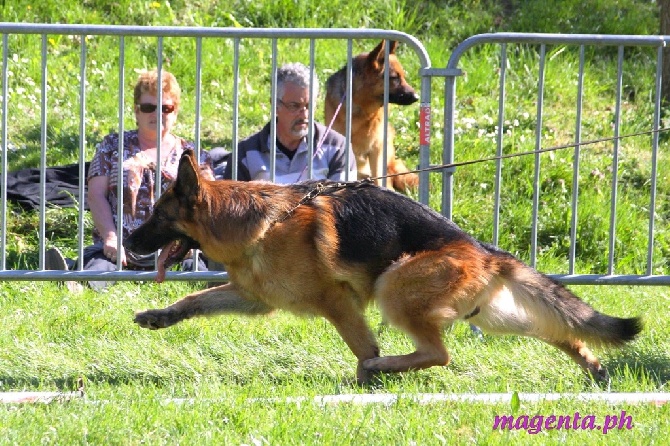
(298, 74)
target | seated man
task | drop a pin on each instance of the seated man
(292, 155)
(329, 160)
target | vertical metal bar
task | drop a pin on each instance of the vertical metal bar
(159, 119)
(236, 104)
(82, 153)
(119, 173)
(538, 146)
(273, 113)
(198, 93)
(310, 112)
(3, 173)
(385, 139)
(348, 102)
(158, 182)
(615, 163)
(43, 155)
(654, 154)
(424, 146)
(499, 145)
(575, 165)
(448, 150)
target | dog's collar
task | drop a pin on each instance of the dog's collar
(318, 189)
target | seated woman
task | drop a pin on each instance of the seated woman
(140, 165)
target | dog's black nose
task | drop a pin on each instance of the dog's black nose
(403, 98)
(408, 98)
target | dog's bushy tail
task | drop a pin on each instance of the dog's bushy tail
(552, 312)
(405, 181)
(610, 330)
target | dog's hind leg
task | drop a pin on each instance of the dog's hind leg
(208, 302)
(581, 354)
(421, 294)
(430, 351)
(503, 315)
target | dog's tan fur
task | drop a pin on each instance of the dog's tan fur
(348, 245)
(367, 116)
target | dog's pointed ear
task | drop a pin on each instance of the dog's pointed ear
(392, 46)
(376, 56)
(188, 178)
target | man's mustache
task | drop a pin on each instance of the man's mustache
(300, 122)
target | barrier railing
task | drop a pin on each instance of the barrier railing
(233, 39)
(229, 38)
(540, 43)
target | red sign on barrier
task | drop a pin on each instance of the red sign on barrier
(424, 122)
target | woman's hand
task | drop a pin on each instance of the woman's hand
(109, 249)
(101, 212)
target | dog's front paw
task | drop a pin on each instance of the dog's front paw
(153, 319)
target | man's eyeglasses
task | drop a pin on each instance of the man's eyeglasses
(294, 107)
(150, 108)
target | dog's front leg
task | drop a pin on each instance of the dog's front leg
(208, 302)
(351, 325)
(376, 160)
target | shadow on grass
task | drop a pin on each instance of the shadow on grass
(10, 384)
(651, 366)
(651, 369)
(62, 148)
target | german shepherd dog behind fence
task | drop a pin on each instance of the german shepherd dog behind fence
(367, 116)
(330, 249)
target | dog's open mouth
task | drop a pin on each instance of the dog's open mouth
(171, 253)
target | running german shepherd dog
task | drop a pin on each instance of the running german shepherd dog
(330, 249)
(367, 116)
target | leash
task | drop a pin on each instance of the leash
(514, 155)
(323, 137)
(321, 187)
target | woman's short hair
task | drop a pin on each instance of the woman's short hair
(147, 82)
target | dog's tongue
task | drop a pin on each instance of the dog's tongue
(165, 253)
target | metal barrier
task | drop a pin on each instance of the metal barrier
(448, 174)
(540, 43)
(82, 33)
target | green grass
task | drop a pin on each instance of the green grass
(228, 368)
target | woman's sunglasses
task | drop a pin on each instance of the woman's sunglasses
(150, 108)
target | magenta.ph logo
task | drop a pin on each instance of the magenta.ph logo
(534, 424)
